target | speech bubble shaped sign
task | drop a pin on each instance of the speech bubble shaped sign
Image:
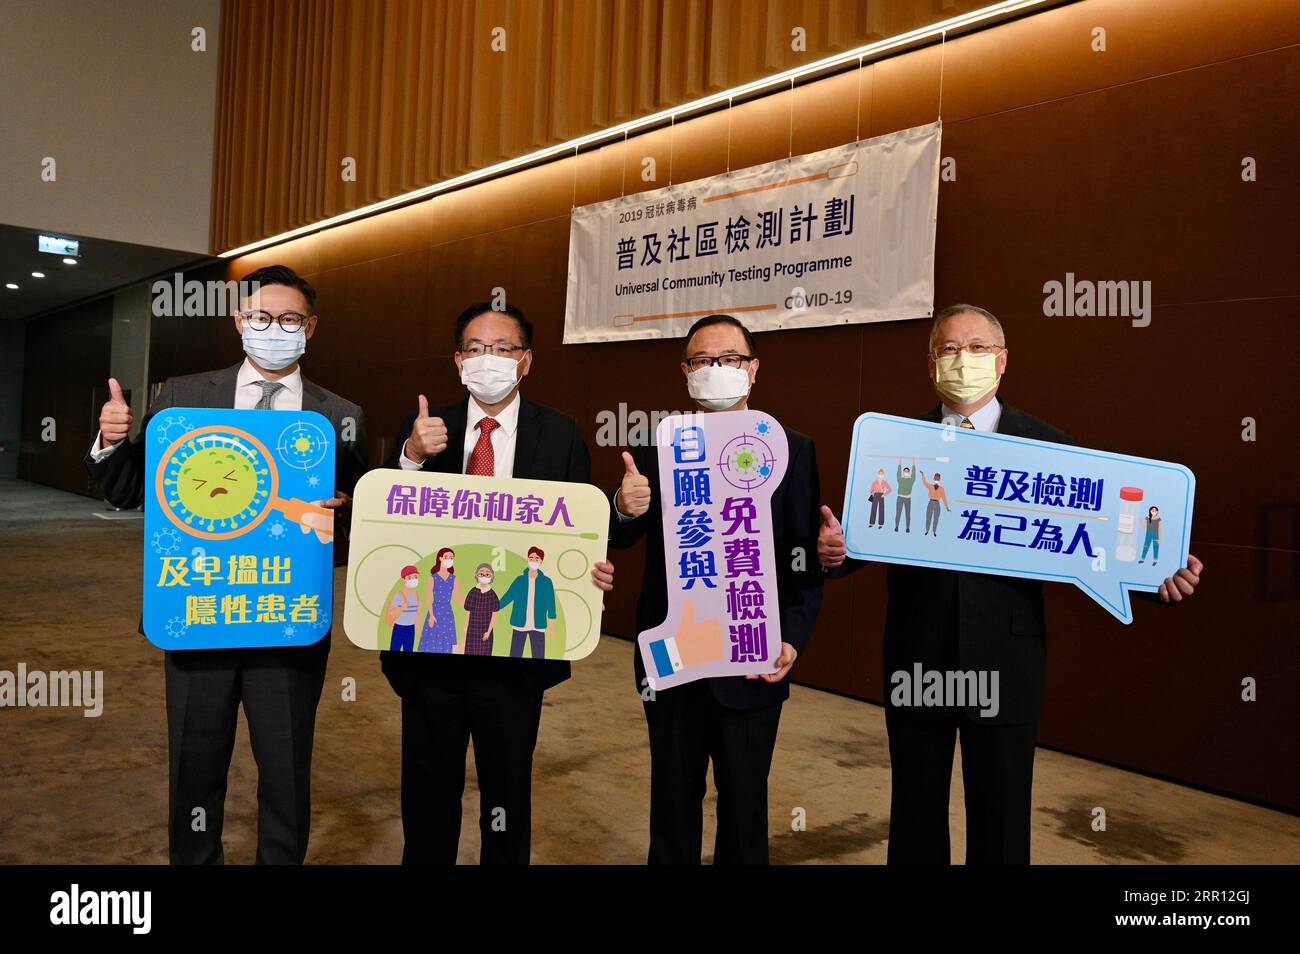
(928, 494)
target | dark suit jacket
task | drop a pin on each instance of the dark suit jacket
(946, 619)
(122, 474)
(795, 521)
(548, 446)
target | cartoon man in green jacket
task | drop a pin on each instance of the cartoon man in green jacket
(533, 596)
(906, 478)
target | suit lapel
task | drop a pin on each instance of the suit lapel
(313, 398)
(527, 439)
(221, 387)
(1012, 422)
(455, 419)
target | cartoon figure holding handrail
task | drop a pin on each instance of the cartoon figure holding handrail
(879, 490)
(906, 477)
(482, 604)
(533, 595)
(1152, 541)
(937, 493)
(439, 632)
(404, 610)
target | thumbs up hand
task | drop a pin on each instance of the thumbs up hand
(114, 417)
(428, 435)
(830, 540)
(701, 642)
(634, 492)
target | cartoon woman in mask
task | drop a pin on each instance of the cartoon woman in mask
(1152, 541)
(482, 604)
(439, 632)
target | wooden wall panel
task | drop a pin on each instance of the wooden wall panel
(413, 91)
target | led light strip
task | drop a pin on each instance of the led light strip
(572, 146)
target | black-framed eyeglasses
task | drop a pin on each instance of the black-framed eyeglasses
(724, 360)
(290, 321)
(476, 349)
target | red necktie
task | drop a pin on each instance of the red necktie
(481, 460)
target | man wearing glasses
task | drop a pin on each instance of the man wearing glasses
(279, 688)
(944, 621)
(730, 720)
(449, 699)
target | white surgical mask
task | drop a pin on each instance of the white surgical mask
(718, 388)
(489, 377)
(485, 580)
(534, 564)
(412, 584)
(965, 378)
(274, 348)
(447, 564)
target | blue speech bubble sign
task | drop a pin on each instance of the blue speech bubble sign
(935, 495)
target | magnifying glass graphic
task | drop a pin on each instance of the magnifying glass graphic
(219, 482)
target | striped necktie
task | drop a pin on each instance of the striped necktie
(965, 423)
(269, 390)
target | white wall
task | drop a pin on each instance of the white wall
(112, 90)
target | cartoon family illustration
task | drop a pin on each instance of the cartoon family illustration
(531, 596)
(906, 478)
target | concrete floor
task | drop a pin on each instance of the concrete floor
(78, 790)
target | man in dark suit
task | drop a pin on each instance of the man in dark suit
(449, 699)
(731, 720)
(948, 621)
(279, 688)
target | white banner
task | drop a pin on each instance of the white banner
(834, 237)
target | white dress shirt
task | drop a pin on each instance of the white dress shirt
(985, 419)
(503, 439)
(247, 394)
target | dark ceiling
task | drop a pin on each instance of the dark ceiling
(102, 266)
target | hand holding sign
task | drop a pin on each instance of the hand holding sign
(428, 435)
(634, 492)
(830, 540)
(115, 417)
(1183, 583)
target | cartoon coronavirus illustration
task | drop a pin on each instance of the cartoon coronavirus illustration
(746, 462)
(302, 445)
(217, 484)
(172, 426)
(166, 541)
